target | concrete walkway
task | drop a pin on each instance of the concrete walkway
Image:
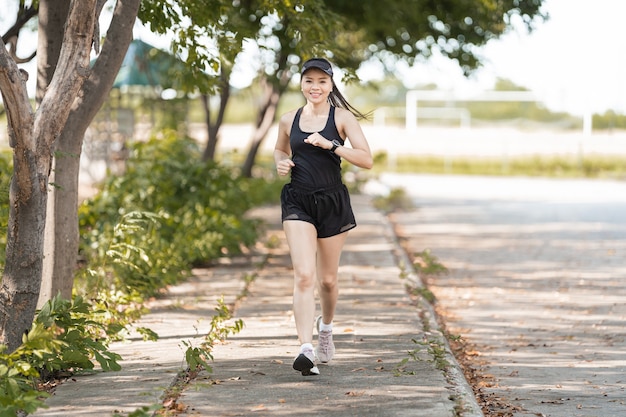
(391, 358)
(535, 286)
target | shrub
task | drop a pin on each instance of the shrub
(82, 338)
(62, 339)
(167, 213)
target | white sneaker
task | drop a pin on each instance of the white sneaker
(325, 349)
(305, 363)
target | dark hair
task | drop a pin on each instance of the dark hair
(335, 97)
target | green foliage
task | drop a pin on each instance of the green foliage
(147, 228)
(398, 199)
(349, 31)
(409, 29)
(62, 338)
(115, 311)
(19, 373)
(557, 166)
(83, 337)
(426, 263)
(436, 350)
(609, 120)
(145, 411)
(199, 357)
(423, 292)
(192, 22)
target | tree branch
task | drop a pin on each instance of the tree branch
(14, 95)
(72, 69)
(104, 71)
(23, 16)
(11, 36)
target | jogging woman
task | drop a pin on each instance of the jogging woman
(316, 209)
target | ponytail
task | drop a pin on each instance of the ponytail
(337, 99)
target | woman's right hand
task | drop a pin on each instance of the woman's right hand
(284, 166)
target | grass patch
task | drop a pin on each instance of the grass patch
(398, 199)
(427, 264)
(592, 166)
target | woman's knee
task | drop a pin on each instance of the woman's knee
(304, 280)
(328, 283)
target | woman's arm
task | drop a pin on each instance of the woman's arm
(359, 153)
(282, 149)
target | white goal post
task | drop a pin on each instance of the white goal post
(413, 97)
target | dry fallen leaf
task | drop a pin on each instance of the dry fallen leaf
(260, 407)
(277, 361)
(358, 369)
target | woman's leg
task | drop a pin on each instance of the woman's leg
(302, 240)
(328, 256)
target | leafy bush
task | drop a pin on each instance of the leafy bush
(19, 375)
(167, 213)
(81, 336)
(62, 338)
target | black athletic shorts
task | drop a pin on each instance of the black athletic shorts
(328, 209)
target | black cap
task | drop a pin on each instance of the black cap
(319, 63)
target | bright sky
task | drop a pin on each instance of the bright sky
(574, 62)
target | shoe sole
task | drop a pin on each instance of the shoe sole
(305, 366)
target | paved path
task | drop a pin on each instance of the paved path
(390, 361)
(536, 286)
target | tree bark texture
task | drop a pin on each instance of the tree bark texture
(62, 234)
(32, 138)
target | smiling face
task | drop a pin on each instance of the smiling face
(316, 85)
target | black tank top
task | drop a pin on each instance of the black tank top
(315, 168)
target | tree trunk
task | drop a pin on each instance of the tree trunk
(62, 241)
(265, 119)
(22, 272)
(267, 112)
(32, 139)
(52, 19)
(213, 129)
